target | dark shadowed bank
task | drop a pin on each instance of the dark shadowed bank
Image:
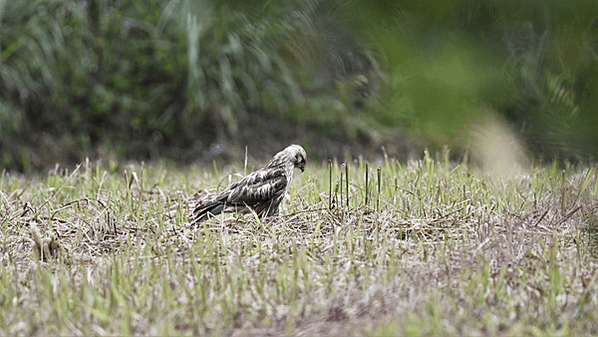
(201, 80)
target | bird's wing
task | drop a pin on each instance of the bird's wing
(258, 188)
(262, 191)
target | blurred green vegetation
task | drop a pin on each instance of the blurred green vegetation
(155, 77)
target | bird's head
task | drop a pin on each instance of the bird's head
(294, 154)
(297, 155)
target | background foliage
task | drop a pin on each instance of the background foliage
(144, 79)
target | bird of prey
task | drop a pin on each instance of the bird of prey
(262, 190)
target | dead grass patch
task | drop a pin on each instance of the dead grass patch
(425, 249)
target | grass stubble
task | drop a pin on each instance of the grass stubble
(423, 248)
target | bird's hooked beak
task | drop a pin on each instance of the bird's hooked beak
(300, 164)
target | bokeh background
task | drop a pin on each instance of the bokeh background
(499, 83)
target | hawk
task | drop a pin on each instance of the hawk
(262, 190)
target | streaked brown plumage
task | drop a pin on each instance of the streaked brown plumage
(262, 190)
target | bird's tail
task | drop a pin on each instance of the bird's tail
(207, 210)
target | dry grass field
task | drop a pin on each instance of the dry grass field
(423, 248)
